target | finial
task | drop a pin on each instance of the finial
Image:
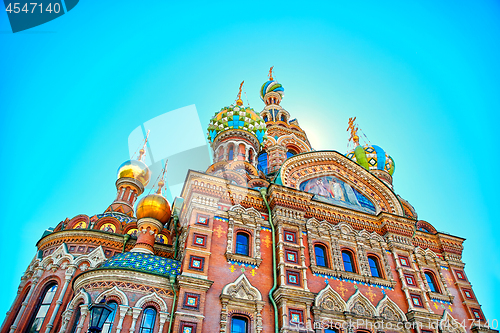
(238, 100)
(142, 152)
(354, 130)
(161, 182)
(271, 73)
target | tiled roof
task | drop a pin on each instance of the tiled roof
(143, 262)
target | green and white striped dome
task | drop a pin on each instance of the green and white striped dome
(372, 157)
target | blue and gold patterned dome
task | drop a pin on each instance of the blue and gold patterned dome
(271, 86)
(372, 157)
(135, 169)
(237, 117)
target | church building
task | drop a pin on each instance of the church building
(273, 237)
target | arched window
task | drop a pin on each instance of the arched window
(18, 307)
(283, 118)
(42, 308)
(241, 152)
(250, 156)
(348, 261)
(230, 153)
(108, 324)
(262, 166)
(265, 119)
(220, 154)
(374, 266)
(290, 153)
(239, 324)
(242, 241)
(431, 281)
(148, 321)
(320, 252)
(76, 318)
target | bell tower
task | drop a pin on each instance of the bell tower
(285, 137)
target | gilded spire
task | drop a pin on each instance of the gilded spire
(142, 152)
(354, 131)
(271, 73)
(238, 100)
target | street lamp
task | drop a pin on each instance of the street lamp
(98, 314)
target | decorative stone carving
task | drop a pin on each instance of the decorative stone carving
(329, 299)
(248, 219)
(115, 292)
(241, 296)
(242, 289)
(389, 310)
(153, 297)
(448, 324)
(359, 304)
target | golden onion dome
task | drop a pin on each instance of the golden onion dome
(135, 169)
(154, 206)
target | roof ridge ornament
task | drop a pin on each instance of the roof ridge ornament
(239, 102)
(161, 182)
(354, 131)
(142, 152)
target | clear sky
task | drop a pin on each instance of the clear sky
(422, 77)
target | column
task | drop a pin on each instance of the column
(84, 310)
(66, 318)
(19, 290)
(284, 314)
(135, 314)
(403, 280)
(123, 312)
(256, 242)
(69, 275)
(163, 318)
(302, 257)
(280, 254)
(36, 276)
(421, 280)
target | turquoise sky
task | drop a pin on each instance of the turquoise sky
(422, 77)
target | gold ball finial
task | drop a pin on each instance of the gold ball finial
(161, 183)
(239, 102)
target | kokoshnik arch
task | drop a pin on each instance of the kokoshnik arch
(272, 237)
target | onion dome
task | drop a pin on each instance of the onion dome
(154, 206)
(272, 91)
(237, 117)
(271, 86)
(371, 158)
(135, 169)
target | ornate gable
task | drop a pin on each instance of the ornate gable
(389, 310)
(242, 289)
(360, 305)
(329, 299)
(94, 258)
(300, 168)
(448, 324)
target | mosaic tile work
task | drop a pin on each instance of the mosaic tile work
(143, 262)
(118, 216)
